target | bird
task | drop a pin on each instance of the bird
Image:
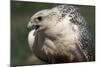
(60, 35)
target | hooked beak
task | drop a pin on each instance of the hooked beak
(31, 26)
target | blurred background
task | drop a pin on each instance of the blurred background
(20, 15)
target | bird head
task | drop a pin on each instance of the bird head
(54, 21)
(38, 20)
(44, 19)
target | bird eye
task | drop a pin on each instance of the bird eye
(38, 18)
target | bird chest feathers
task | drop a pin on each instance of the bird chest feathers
(47, 48)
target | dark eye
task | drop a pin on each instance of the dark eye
(38, 18)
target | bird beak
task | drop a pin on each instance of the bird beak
(32, 26)
(29, 26)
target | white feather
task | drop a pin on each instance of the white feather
(31, 38)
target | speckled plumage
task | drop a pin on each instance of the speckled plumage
(61, 35)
